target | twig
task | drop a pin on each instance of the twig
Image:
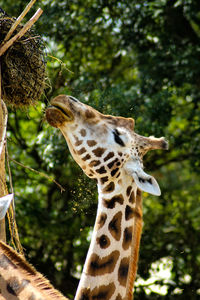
(38, 172)
(3, 119)
(3, 188)
(31, 38)
(26, 27)
(9, 172)
(14, 235)
(0, 84)
(4, 124)
(61, 62)
(19, 19)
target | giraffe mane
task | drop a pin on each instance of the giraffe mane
(37, 280)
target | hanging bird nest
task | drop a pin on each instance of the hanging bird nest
(22, 66)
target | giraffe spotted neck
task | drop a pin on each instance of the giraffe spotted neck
(111, 262)
(108, 150)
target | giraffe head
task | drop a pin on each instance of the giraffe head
(104, 146)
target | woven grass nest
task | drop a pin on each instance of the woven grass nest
(22, 66)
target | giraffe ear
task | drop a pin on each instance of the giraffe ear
(147, 183)
(144, 182)
(4, 204)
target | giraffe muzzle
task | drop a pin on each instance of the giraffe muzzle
(57, 114)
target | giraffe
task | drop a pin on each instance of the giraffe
(109, 151)
(20, 281)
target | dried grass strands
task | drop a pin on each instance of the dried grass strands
(27, 26)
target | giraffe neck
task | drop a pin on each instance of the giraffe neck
(111, 262)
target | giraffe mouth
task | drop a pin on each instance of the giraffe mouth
(57, 114)
(63, 109)
(65, 112)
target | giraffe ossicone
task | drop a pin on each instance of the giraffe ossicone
(108, 150)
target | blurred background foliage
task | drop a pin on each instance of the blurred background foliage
(137, 59)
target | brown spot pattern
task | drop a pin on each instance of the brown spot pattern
(111, 164)
(91, 143)
(81, 151)
(119, 297)
(123, 271)
(83, 132)
(6, 262)
(120, 181)
(86, 157)
(101, 266)
(101, 221)
(14, 287)
(103, 241)
(115, 199)
(104, 179)
(103, 292)
(118, 174)
(128, 191)
(10, 290)
(91, 173)
(109, 188)
(78, 143)
(90, 114)
(101, 170)
(127, 238)
(129, 212)
(132, 197)
(113, 172)
(98, 151)
(115, 226)
(94, 163)
(108, 156)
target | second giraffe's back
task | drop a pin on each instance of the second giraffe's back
(20, 281)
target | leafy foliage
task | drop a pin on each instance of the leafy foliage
(138, 59)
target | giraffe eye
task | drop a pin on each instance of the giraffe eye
(117, 138)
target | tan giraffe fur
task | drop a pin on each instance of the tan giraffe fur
(108, 150)
(19, 280)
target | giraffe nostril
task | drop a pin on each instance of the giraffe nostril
(73, 99)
